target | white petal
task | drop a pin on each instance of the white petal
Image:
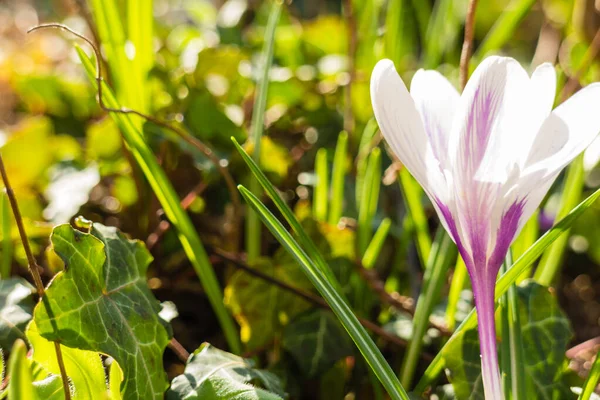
(541, 101)
(402, 127)
(436, 100)
(569, 129)
(488, 124)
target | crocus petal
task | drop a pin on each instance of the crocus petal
(402, 127)
(488, 121)
(569, 129)
(436, 101)
(542, 93)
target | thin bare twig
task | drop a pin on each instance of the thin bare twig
(394, 299)
(33, 268)
(588, 58)
(193, 141)
(240, 263)
(467, 47)
(179, 350)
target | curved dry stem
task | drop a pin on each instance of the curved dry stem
(467, 47)
(193, 141)
(33, 268)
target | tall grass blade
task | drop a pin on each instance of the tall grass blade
(440, 258)
(504, 28)
(341, 309)
(253, 235)
(320, 199)
(337, 179)
(412, 194)
(369, 199)
(374, 248)
(551, 261)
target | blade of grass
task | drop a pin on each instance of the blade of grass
(164, 191)
(412, 194)
(7, 246)
(422, 11)
(337, 179)
(341, 309)
(400, 36)
(139, 29)
(374, 248)
(114, 40)
(253, 235)
(364, 149)
(512, 360)
(591, 381)
(504, 28)
(369, 199)
(525, 240)
(459, 278)
(442, 32)
(288, 214)
(321, 187)
(440, 258)
(551, 261)
(508, 278)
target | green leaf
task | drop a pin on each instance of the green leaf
(260, 307)
(211, 373)
(16, 306)
(545, 332)
(317, 341)
(321, 191)
(84, 368)
(21, 381)
(101, 302)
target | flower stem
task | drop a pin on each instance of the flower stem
(484, 303)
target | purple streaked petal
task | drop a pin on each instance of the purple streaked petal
(488, 122)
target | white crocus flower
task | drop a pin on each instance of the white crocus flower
(485, 158)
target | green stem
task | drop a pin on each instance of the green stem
(440, 258)
(253, 235)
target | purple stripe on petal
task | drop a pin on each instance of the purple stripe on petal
(506, 233)
(453, 231)
(480, 122)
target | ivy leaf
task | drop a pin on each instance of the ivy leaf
(211, 373)
(101, 303)
(84, 368)
(260, 307)
(16, 306)
(317, 341)
(546, 333)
